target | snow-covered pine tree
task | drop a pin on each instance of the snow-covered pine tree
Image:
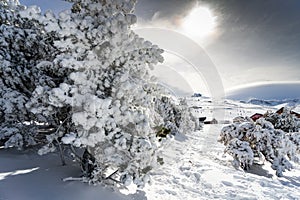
(114, 108)
(246, 140)
(24, 47)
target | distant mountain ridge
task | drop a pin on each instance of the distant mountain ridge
(288, 102)
(271, 91)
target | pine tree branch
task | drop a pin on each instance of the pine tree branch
(59, 145)
(62, 158)
(112, 174)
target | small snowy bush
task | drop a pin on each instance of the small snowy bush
(84, 75)
(246, 140)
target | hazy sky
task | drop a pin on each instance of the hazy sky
(252, 42)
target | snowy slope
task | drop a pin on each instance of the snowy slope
(194, 168)
(198, 169)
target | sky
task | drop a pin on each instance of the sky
(249, 42)
(55, 5)
(253, 41)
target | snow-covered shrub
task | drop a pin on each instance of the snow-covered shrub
(241, 152)
(285, 121)
(295, 138)
(24, 47)
(176, 116)
(245, 140)
(107, 102)
(18, 135)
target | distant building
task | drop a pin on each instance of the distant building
(197, 95)
(256, 116)
(296, 114)
(280, 111)
(213, 121)
(196, 107)
(202, 119)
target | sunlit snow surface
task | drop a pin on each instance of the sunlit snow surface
(17, 172)
(194, 168)
(198, 169)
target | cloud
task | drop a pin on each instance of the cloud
(164, 10)
(255, 40)
(267, 91)
(236, 76)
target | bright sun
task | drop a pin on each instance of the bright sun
(199, 22)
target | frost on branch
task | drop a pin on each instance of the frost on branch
(246, 140)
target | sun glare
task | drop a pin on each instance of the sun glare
(199, 22)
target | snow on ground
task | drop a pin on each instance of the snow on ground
(194, 168)
(28, 176)
(197, 169)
